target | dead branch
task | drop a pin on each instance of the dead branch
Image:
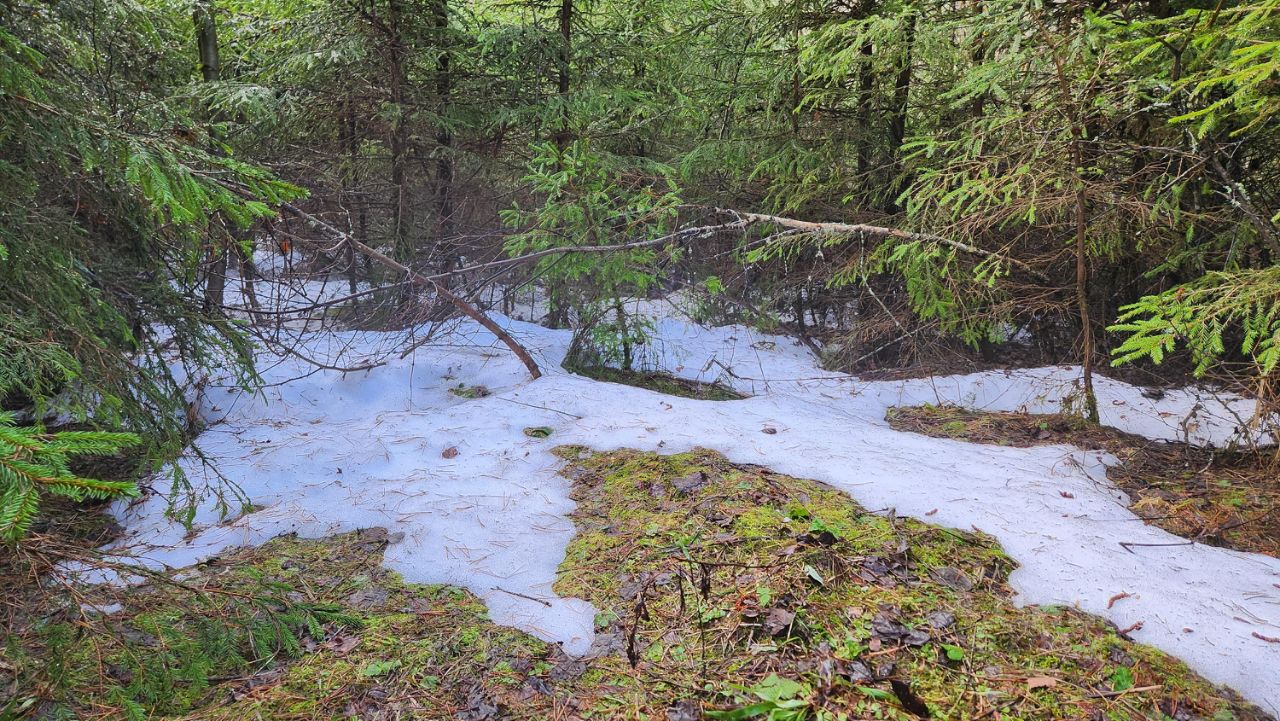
(381, 259)
(677, 236)
(746, 219)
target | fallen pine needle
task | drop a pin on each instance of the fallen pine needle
(1135, 689)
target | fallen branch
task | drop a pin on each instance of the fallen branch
(544, 602)
(564, 250)
(746, 219)
(381, 259)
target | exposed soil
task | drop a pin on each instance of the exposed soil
(1218, 497)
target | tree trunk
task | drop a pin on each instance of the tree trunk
(352, 144)
(207, 42)
(866, 80)
(565, 17)
(1077, 123)
(898, 120)
(398, 142)
(444, 140)
(1082, 288)
(216, 250)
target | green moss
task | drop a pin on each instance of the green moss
(695, 575)
(660, 382)
(462, 390)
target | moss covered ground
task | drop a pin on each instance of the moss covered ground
(724, 592)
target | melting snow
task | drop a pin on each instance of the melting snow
(321, 452)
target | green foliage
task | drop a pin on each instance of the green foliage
(171, 657)
(112, 194)
(34, 463)
(1225, 93)
(1200, 315)
(594, 198)
(781, 699)
(1231, 57)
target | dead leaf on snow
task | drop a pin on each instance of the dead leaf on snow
(450, 452)
(1119, 596)
(1124, 632)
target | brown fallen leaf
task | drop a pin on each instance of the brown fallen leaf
(930, 513)
(1268, 639)
(778, 620)
(1066, 494)
(341, 645)
(450, 452)
(769, 429)
(1041, 682)
(1119, 596)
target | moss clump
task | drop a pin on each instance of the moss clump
(660, 382)
(462, 390)
(740, 592)
(295, 629)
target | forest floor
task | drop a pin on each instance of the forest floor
(723, 591)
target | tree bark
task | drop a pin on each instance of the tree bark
(207, 42)
(444, 140)
(866, 88)
(352, 145)
(898, 119)
(398, 140)
(1076, 156)
(1082, 294)
(211, 70)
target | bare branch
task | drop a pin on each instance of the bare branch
(746, 219)
(381, 259)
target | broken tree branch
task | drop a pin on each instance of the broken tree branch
(458, 301)
(678, 235)
(746, 219)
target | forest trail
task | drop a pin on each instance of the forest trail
(449, 450)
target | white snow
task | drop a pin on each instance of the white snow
(325, 452)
